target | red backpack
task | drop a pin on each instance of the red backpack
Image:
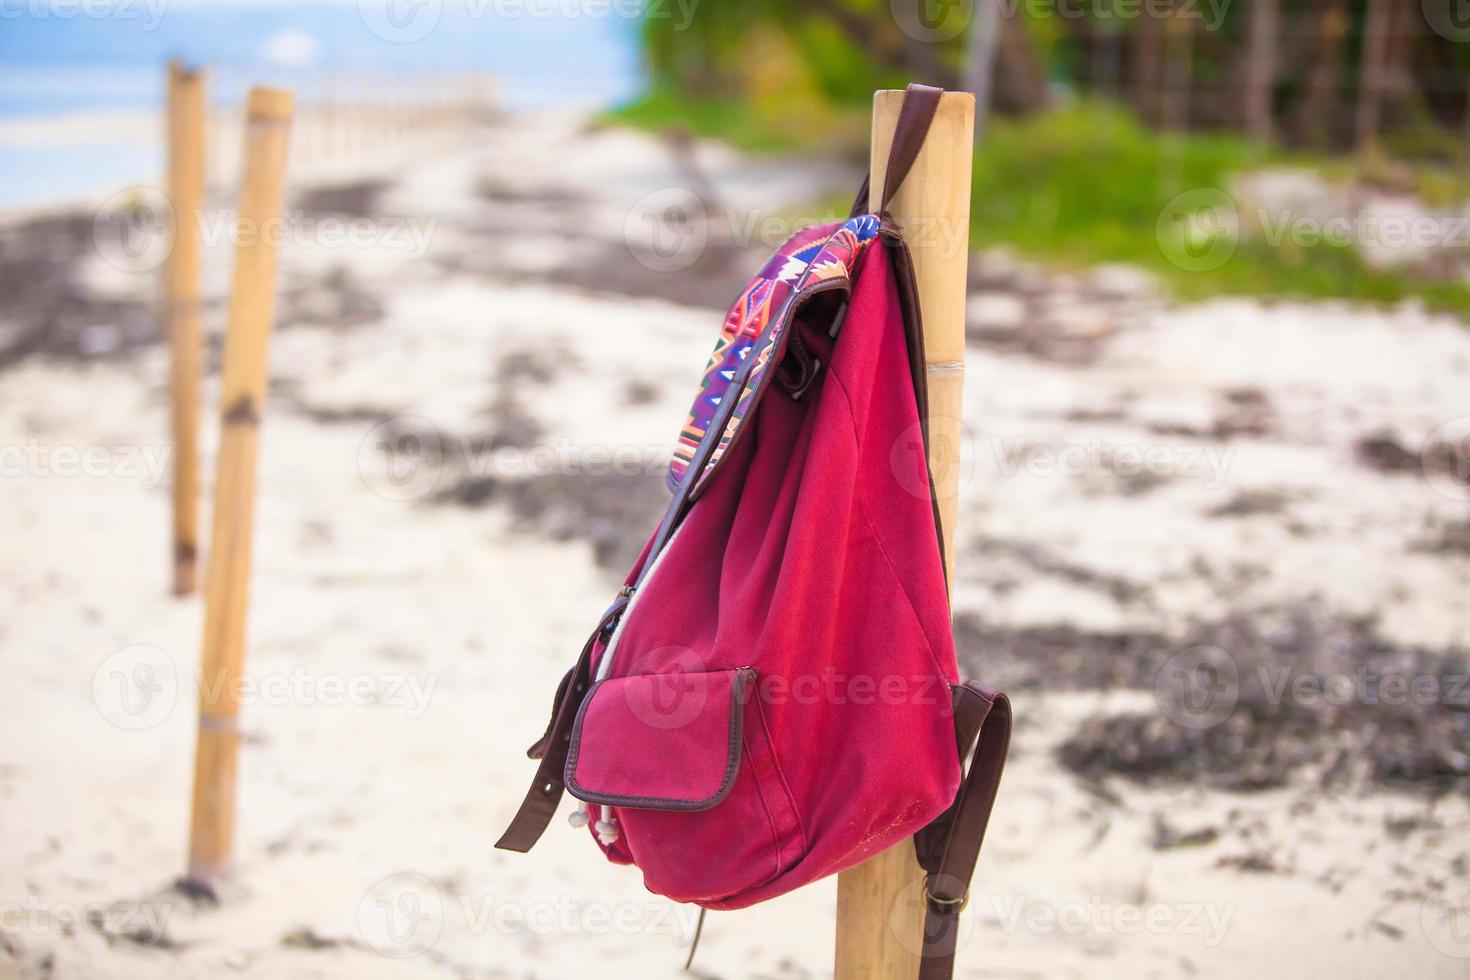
(773, 695)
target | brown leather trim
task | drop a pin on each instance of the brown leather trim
(920, 102)
(738, 691)
(948, 848)
(544, 796)
(688, 490)
(788, 318)
(537, 750)
(913, 327)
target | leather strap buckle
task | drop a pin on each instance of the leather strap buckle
(940, 905)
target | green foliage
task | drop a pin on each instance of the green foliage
(746, 124)
(1088, 184)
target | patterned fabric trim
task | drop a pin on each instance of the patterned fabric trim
(814, 258)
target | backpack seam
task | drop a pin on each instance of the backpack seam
(781, 773)
(862, 505)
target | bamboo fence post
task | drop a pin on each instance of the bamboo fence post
(227, 585)
(181, 312)
(880, 915)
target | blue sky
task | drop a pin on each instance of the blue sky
(543, 50)
(85, 56)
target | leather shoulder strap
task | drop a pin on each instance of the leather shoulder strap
(544, 796)
(920, 102)
(948, 848)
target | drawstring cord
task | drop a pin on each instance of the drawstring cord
(698, 929)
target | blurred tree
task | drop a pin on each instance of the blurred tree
(1260, 72)
(850, 47)
(1323, 73)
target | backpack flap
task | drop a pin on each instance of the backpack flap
(660, 741)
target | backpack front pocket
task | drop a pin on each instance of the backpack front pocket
(682, 764)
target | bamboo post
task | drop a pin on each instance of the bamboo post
(181, 312)
(880, 916)
(227, 585)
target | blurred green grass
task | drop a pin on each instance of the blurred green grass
(1087, 184)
